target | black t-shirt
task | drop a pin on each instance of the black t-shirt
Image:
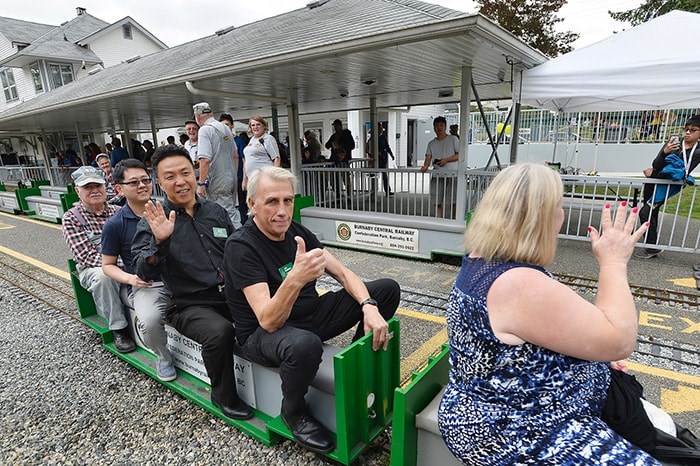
(249, 258)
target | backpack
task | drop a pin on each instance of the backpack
(625, 414)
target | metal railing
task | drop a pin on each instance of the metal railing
(364, 190)
(20, 173)
(542, 126)
(586, 196)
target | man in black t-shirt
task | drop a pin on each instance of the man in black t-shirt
(271, 265)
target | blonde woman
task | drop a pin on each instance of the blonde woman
(530, 359)
(261, 150)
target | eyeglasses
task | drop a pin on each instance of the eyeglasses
(135, 183)
(691, 130)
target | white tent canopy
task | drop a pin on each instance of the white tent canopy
(653, 65)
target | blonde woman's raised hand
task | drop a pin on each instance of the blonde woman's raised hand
(615, 243)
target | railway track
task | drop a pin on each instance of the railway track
(34, 286)
(687, 300)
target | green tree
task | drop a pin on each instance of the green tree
(532, 21)
(653, 8)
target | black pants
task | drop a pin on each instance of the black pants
(242, 204)
(383, 162)
(296, 347)
(210, 326)
(649, 214)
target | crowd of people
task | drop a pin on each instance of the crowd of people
(530, 365)
(190, 262)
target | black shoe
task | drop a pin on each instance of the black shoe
(123, 341)
(238, 410)
(309, 433)
(648, 253)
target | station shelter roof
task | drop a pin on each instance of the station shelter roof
(334, 54)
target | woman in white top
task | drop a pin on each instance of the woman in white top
(261, 150)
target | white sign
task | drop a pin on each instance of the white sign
(9, 202)
(245, 386)
(377, 236)
(47, 210)
(187, 356)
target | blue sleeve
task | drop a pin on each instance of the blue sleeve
(111, 243)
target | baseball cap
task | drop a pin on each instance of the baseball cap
(102, 155)
(86, 175)
(337, 122)
(201, 108)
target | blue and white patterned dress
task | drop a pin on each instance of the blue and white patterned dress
(515, 405)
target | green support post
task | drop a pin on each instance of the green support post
(301, 202)
(37, 183)
(68, 199)
(85, 304)
(411, 400)
(365, 381)
(22, 195)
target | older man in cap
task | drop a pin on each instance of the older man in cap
(216, 151)
(82, 230)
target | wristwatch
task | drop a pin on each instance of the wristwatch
(371, 301)
(202, 184)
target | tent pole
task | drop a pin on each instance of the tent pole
(556, 135)
(597, 138)
(578, 139)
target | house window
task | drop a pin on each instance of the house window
(60, 75)
(36, 77)
(127, 31)
(7, 78)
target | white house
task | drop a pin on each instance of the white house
(36, 58)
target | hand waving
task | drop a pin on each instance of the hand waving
(616, 242)
(161, 226)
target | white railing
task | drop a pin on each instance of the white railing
(585, 197)
(363, 190)
(20, 173)
(541, 126)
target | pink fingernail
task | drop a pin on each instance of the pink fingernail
(589, 229)
(623, 203)
(646, 224)
(607, 206)
(635, 210)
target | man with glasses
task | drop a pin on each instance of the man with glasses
(82, 230)
(676, 160)
(148, 298)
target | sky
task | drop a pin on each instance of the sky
(177, 21)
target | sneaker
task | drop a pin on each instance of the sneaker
(122, 341)
(647, 253)
(165, 370)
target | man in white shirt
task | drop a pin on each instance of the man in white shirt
(443, 153)
(192, 130)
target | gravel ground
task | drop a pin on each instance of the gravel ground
(65, 400)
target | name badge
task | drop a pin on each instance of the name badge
(220, 232)
(284, 270)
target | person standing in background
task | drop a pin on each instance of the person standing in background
(216, 152)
